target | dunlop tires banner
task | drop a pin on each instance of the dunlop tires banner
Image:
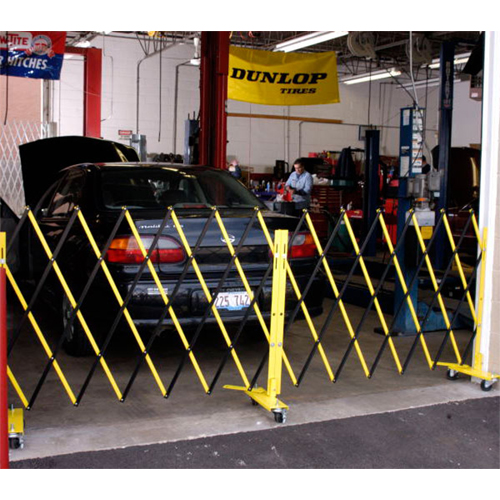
(282, 79)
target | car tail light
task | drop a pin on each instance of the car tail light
(125, 250)
(303, 246)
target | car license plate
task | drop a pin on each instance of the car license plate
(232, 301)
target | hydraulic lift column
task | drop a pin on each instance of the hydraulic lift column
(92, 89)
(371, 191)
(447, 60)
(213, 114)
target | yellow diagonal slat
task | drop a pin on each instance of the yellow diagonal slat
(309, 322)
(343, 310)
(119, 299)
(376, 303)
(73, 303)
(39, 335)
(459, 266)
(405, 291)
(436, 287)
(210, 299)
(17, 387)
(476, 229)
(166, 301)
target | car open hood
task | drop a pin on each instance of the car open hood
(42, 160)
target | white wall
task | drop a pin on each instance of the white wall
(259, 142)
(255, 142)
(120, 62)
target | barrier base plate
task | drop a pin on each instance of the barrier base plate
(261, 397)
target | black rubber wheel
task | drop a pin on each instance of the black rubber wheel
(452, 375)
(279, 417)
(486, 385)
(14, 443)
(76, 342)
(254, 403)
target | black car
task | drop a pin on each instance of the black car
(101, 190)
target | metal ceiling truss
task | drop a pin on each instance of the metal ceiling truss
(358, 53)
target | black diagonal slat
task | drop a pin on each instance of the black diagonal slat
(331, 313)
(381, 283)
(408, 291)
(43, 279)
(336, 304)
(456, 314)
(440, 287)
(320, 336)
(166, 308)
(118, 316)
(84, 293)
(208, 309)
(317, 268)
(370, 304)
(17, 230)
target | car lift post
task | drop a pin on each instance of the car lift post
(213, 98)
(92, 89)
(4, 434)
(371, 191)
(441, 253)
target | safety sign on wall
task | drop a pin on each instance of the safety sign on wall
(32, 54)
(282, 79)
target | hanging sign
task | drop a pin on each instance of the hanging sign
(282, 79)
(32, 54)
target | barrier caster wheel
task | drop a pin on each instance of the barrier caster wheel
(452, 374)
(280, 416)
(14, 443)
(254, 403)
(486, 385)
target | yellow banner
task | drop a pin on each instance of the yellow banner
(282, 79)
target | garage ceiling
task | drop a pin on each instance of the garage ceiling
(386, 48)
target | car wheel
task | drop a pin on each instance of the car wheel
(76, 342)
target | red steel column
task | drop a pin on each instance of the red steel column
(213, 97)
(4, 417)
(92, 89)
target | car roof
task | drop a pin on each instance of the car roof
(125, 165)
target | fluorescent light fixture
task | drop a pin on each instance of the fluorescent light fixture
(307, 40)
(196, 61)
(459, 59)
(83, 44)
(367, 77)
(432, 82)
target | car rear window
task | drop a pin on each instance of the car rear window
(154, 188)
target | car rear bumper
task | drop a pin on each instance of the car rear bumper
(147, 306)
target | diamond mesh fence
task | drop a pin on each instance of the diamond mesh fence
(12, 135)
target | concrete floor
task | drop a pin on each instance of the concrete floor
(456, 435)
(55, 427)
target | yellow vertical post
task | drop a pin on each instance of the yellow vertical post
(277, 315)
(268, 398)
(476, 370)
(478, 356)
